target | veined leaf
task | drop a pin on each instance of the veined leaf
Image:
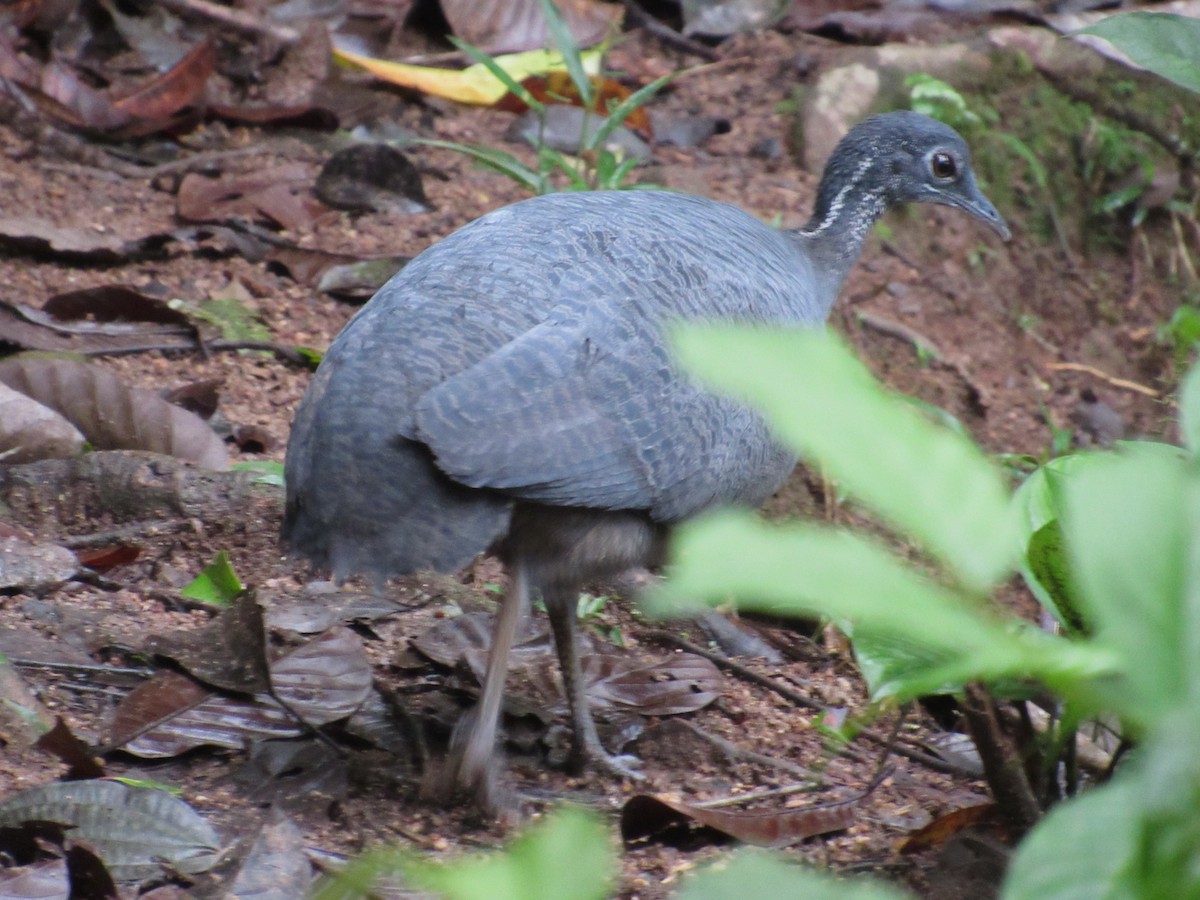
(1167, 45)
(475, 84)
(927, 481)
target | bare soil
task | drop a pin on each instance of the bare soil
(1002, 317)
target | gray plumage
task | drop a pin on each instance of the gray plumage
(513, 386)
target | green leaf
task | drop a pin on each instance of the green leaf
(269, 471)
(217, 583)
(566, 856)
(622, 111)
(1167, 45)
(1047, 567)
(1189, 410)
(497, 160)
(499, 73)
(233, 319)
(803, 569)
(888, 663)
(1132, 525)
(927, 481)
(1078, 851)
(756, 874)
(1044, 564)
(564, 43)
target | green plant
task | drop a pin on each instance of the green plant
(596, 165)
(937, 99)
(1126, 525)
(1181, 333)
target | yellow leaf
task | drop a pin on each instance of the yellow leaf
(474, 84)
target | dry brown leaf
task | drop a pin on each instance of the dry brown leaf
(649, 816)
(510, 26)
(30, 431)
(111, 414)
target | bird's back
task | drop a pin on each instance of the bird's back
(525, 357)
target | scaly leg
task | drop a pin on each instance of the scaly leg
(472, 765)
(586, 746)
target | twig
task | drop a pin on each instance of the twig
(669, 36)
(734, 751)
(117, 535)
(234, 18)
(1104, 376)
(288, 354)
(754, 796)
(738, 669)
(895, 329)
(925, 347)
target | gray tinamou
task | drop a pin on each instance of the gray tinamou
(512, 388)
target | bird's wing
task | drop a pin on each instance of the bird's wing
(587, 409)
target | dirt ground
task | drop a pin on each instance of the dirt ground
(1003, 318)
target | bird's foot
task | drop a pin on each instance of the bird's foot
(592, 755)
(623, 765)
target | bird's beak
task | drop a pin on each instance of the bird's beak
(970, 199)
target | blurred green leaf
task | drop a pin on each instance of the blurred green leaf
(802, 569)
(564, 43)
(217, 583)
(1132, 522)
(1189, 411)
(927, 481)
(269, 471)
(1167, 45)
(232, 319)
(566, 856)
(1079, 850)
(756, 874)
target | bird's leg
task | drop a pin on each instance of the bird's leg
(472, 766)
(586, 747)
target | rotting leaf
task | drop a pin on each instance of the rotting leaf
(360, 280)
(32, 567)
(558, 88)
(947, 825)
(306, 265)
(46, 880)
(135, 831)
(318, 118)
(217, 582)
(231, 651)
(664, 817)
(324, 680)
(200, 397)
(468, 637)
(277, 865)
(26, 328)
(475, 84)
(105, 559)
(61, 742)
(111, 414)
(95, 309)
(279, 195)
(506, 26)
(177, 88)
(29, 234)
(290, 771)
(30, 431)
(680, 684)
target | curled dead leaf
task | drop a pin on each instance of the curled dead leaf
(111, 414)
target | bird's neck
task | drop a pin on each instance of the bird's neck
(846, 208)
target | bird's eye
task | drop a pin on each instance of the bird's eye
(942, 165)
